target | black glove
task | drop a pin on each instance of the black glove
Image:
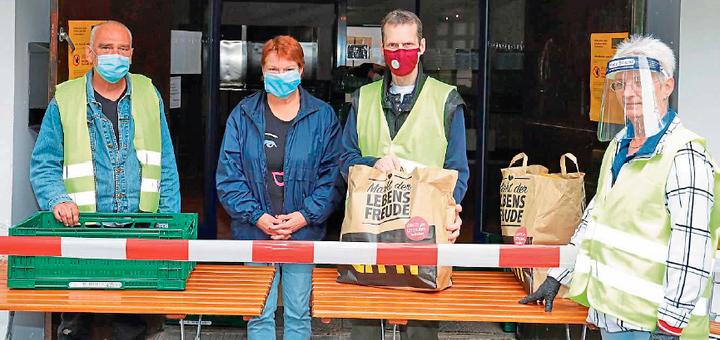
(546, 292)
(659, 334)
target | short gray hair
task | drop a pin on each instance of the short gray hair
(95, 28)
(648, 46)
(401, 17)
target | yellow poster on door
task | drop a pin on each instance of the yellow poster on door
(602, 49)
(79, 32)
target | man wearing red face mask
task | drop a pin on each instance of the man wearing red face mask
(406, 120)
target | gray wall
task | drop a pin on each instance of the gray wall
(21, 22)
(699, 77)
(7, 105)
(32, 25)
(7, 111)
(663, 21)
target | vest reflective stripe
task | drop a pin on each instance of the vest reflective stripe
(626, 280)
(147, 157)
(150, 185)
(78, 171)
(621, 263)
(421, 138)
(630, 243)
(83, 199)
(702, 307)
(145, 107)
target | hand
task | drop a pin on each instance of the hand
(387, 163)
(266, 222)
(659, 334)
(454, 228)
(546, 292)
(290, 224)
(67, 213)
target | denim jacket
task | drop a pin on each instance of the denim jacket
(117, 169)
(311, 167)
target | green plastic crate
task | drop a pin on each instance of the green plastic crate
(41, 272)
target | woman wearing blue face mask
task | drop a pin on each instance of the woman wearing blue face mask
(276, 175)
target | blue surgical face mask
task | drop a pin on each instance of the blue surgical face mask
(112, 67)
(282, 85)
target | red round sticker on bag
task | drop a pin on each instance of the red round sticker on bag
(417, 229)
(520, 236)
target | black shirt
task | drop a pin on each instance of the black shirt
(275, 132)
(110, 110)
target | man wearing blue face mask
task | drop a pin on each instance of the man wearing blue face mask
(104, 146)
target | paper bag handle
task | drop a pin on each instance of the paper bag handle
(572, 158)
(517, 157)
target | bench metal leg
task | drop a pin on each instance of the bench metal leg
(197, 333)
(567, 332)
(182, 329)
(395, 332)
(382, 329)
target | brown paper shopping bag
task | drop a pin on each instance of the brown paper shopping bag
(552, 213)
(556, 206)
(398, 207)
(516, 189)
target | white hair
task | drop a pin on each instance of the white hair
(648, 46)
(95, 28)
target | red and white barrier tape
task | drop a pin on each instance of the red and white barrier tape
(318, 252)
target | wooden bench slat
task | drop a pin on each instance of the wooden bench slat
(211, 289)
(474, 296)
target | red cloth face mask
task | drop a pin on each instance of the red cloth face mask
(401, 62)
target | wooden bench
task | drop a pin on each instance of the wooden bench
(211, 289)
(715, 329)
(481, 296)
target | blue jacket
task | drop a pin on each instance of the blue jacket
(310, 166)
(117, 169)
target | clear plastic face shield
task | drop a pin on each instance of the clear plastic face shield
(631, 98)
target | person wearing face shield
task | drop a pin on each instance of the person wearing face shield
(276, 177)
(406, 120)
(104, 146)
(647, 240)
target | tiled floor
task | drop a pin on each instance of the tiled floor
(449, 331)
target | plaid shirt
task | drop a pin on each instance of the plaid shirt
(689, 200)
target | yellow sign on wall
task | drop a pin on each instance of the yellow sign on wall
(602, 49)
(79, 32)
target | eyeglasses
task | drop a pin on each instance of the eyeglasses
(635, 83)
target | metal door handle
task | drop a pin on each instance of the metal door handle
(63, 36)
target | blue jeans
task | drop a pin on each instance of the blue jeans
(629, 335)
(296, 285)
